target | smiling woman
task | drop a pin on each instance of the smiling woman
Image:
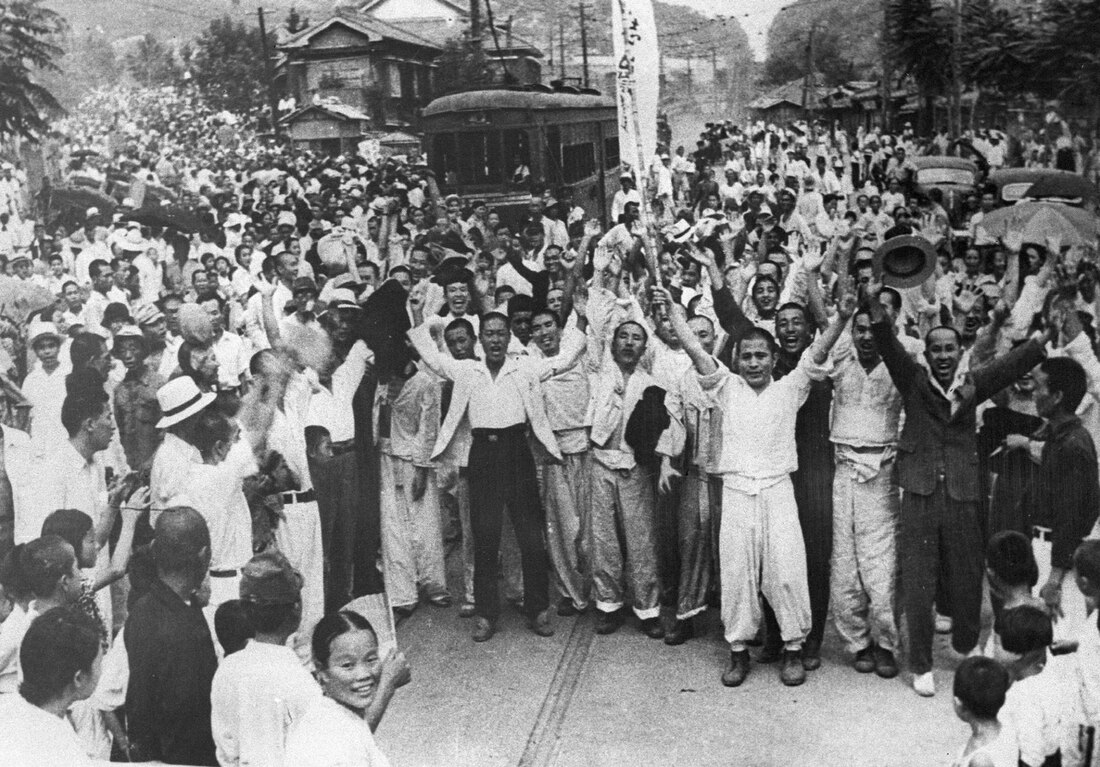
(358, 684)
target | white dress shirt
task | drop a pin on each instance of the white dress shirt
(34, 737)
(46, 393)
(258, 694)
(331, 407)
(216, 493)
(330, 735)
(12, 631)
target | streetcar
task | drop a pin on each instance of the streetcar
(502, 146)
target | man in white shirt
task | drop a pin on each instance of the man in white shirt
(231, 351)
(864, 428)
(44, 385)
(627, 194)
(262, 690)
(761, 549)
(100, 273)
(500, 396)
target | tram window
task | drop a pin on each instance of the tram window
(578, 161)
(445, 158)
(479, 159)
(517, 155)
(611, 153)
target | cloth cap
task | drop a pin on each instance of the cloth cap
(270, 579)
(286, 218)
(304, 283)
(40, 329)
(147, 314)
(179, 399)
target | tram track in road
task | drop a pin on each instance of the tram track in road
(543, 743)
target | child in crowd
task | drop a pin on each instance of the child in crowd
(1080, 746)
(980, 688)
(1034, 702)
(1012, 572)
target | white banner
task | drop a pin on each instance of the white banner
(634, 36)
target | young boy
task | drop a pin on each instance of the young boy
(1032, 708)
(980, 687)
(1083, 730)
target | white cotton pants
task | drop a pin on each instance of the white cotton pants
(298, 537)
(1074, 609)
(564, 490)
(412, 534)
(624, 499)
(454, 492)
(864, 564)
(761, 551)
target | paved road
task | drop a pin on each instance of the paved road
(579, 700)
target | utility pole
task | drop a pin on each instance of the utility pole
(584, 44)
(561, 47)
(691, 85)
(885, 86)
(269, 75)
(475, 24)
(508, 31)
(956, 66)
(807, 78)
(550, 48)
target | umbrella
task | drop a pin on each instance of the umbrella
(68, 205)
(180, 219)
(1038, 220)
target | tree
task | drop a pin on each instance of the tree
(27, 48)
(919, 34)
(462, 67)
(789, 61)
(1063, 55)
(152, 63)
(226, 63)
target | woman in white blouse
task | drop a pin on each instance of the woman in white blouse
(358, 684)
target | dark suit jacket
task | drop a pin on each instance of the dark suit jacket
(934, 441)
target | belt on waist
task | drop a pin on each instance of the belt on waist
(295, 497)
(1040, 532)
(344, 446)
(493, 435)
(223, 573)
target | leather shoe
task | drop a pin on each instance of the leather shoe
(466, 610)
(738, 670)
(865, 660)
(680, 633)
(440, 600)
(540, 624)
(886, 665)
(792, 673)
(484, 630)
(608, 623)
(566, 608)
(652, 628)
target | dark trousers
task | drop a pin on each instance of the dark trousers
(502, 477)
(813, 492)
(668, 544)
(340, 504)
(940, 533)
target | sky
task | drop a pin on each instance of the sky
(753, 15)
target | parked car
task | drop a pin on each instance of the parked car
(1010, 185)
(955, 177)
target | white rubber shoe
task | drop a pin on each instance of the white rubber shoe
(924, 684)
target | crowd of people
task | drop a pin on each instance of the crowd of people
(224, 428)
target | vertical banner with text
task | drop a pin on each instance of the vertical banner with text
(634, 36)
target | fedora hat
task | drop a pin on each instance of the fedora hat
(179, 399)
(905, 261)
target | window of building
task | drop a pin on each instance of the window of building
(611, 159)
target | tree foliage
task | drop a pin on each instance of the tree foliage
(462, 67)
(152, 63)
(226, 63)
(829, 60)
(28, 47)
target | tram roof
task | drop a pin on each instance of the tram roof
(476, 101)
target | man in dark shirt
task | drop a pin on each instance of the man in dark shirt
(1066, 492)
(171, 653)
